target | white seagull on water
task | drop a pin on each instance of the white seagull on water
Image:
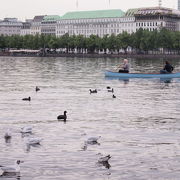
(92, 140)
(11, 169)
(33, 141)
(26, 129)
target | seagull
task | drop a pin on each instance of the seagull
(104, 159)
(93, 91)
(26, 129)
(84, 147)
(37, 89)
(11, 169)
(27, 99)
(62, 117)
(33, 141)
(92, 140)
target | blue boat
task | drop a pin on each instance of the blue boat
(141, 75)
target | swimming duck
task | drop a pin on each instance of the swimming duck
(27, 99)
(7, 134)
(62, 117)
(37, 89)
(114, 96)
(111, 90)
(93, 91)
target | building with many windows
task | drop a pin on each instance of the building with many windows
(115, 21)
(49, 24)
(26, 27)
(10, 26)
(36, 25)
(156, 18)
(99, 23)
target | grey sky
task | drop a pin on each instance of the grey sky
(24, 9)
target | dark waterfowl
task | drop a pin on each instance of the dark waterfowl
(111, 90)
(114, 96)
(93, 91)
(62, 117)
(104, 161)
(7, 134)
(37, 89)
(27, 99)
(108, 87)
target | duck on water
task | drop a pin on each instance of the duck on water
(37, 89)
(92, 91)
(27, 99)
(62, 117)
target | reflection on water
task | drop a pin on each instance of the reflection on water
(139, 128)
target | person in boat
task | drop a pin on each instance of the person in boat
(125, 68)
(168, 68)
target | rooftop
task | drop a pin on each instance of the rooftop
(152, 11)
(131, 12)
(51, 18)
(94, 14)
(38, 18)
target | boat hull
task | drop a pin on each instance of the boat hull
(140, 75)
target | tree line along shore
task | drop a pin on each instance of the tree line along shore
(142, 42)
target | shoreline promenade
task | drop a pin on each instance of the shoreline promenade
(91, 55)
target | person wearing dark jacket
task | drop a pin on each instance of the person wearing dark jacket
(167, 68)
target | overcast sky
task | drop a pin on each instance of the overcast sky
(26, 9)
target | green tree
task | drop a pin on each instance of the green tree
(2, 42)
(125, 41)
(112, 43)
(92, 43)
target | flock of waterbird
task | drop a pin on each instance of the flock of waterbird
(109, 89)
(27, 132)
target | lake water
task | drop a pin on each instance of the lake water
(140, 129)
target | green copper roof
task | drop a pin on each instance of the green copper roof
(51, 18)
(131, 12)
(94, 14)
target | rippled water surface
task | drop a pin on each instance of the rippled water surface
(140, 129)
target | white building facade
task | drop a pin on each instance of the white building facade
(99, 23)
(157, 18)
(49, 24)
(10, 26)
(26, 28)
(36, 25)
(107, 22)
